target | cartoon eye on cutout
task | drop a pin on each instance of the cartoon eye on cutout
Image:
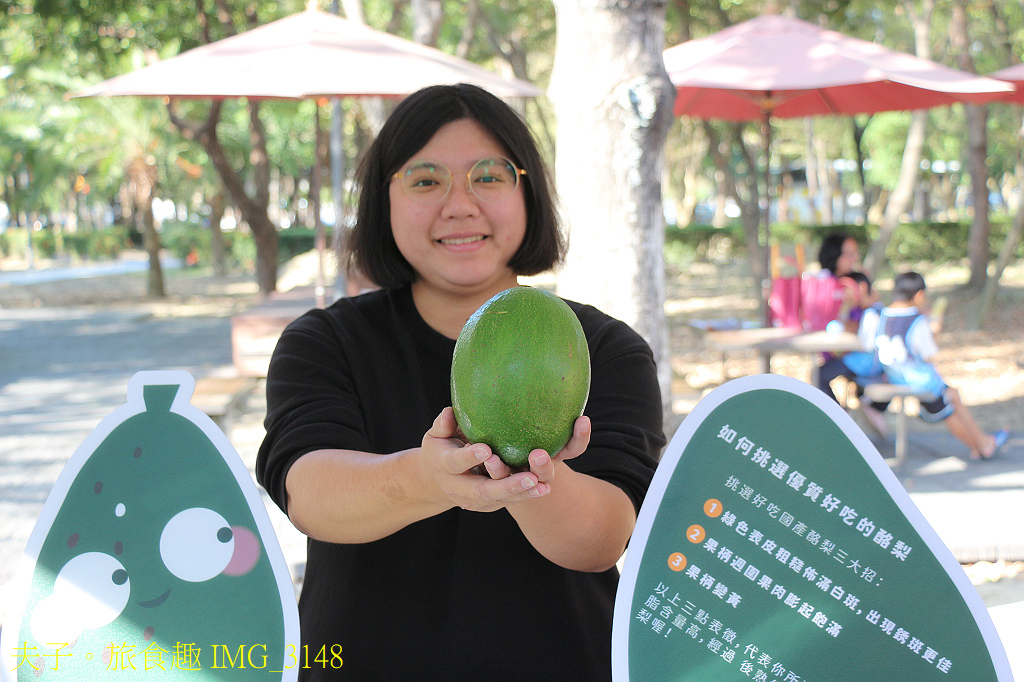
(90, 591)
(196, 544)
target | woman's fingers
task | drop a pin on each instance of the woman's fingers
(472, 477)
(496, 468)
(444, 425)
(453, 455)
(579, 441)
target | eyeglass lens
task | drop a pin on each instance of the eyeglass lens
(491, 179)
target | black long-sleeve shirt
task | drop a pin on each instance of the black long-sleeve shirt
(461, 595)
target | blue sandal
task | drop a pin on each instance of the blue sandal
(1001, 436)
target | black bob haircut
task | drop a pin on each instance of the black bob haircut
(907, 285)
(831, 249)
(371, 244)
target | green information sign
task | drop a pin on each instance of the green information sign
(775, 545)
(153, 558)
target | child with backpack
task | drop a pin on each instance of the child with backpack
(901, 340)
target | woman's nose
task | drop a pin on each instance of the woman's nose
(460, 196)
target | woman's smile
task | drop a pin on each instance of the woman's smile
(465, 241)
(461, 243)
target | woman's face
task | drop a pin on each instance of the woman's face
(461, 244)
(849, 259)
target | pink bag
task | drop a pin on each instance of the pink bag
(784, 302)
(821, 298)
(787, 264)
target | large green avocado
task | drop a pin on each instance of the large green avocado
(520, 374)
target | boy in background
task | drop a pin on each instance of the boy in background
(857, 366)
(901, 338)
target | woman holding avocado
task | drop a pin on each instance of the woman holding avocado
(428, 557)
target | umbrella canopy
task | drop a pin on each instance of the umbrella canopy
(779, 66)
(792, 68)
(1015, 76)
(309, 54)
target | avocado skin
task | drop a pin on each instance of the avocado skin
(520, 374)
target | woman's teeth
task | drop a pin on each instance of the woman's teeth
(453, 241)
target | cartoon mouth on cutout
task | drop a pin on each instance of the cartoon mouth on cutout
(242, 542)
(92, 589)
(153, 603)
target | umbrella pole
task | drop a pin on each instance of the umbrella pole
(314, 188)
(766, 247)
(338, 187)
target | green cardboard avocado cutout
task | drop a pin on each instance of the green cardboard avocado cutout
(153, 557)
(775, 544)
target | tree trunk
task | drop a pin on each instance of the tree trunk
(978, 240)
(991, 288)
(150, 237)
(695, 145)
(858, 137)
(988, 294)
(826, 182)
(142, 176)
(613, 101)
(977, 122)
(903, 193)
(254, 208)
(811, 170)
(218, 250)
(747, 197)
(428, 15)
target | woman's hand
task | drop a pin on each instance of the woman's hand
(581, 522)
(542, 465)
(451, 466)
(350, 496)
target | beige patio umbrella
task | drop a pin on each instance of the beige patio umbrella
(311, 54)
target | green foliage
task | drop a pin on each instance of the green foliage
(912, 242)
(77, 246)
(99, 244)
(190, 243)
(294, 241)
(52, 47)
(189, 240)
(242, 250)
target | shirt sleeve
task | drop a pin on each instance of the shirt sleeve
(311, 401)
(624, 407)
(868, 329)
(921, 340)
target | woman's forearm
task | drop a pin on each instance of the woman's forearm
(583, 524)
(349, 497)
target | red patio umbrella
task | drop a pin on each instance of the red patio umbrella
(778, 66)
(1013, 75)
(311, 54)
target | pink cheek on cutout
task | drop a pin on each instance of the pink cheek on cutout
(246, 554)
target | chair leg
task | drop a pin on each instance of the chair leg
(901, 433)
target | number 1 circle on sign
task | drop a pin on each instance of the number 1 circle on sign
(713, 508)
